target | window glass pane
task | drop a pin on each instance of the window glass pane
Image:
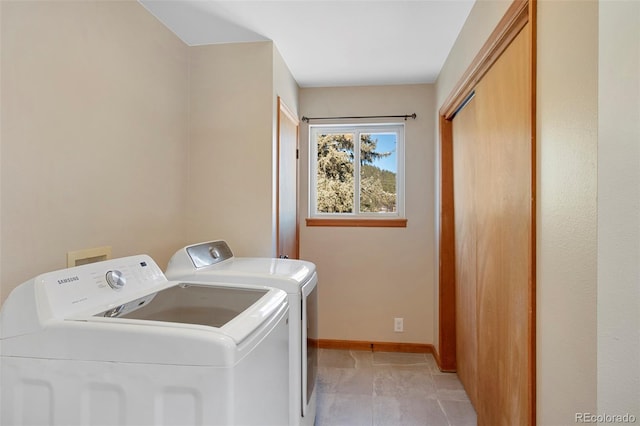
(335, 172)
(378, 170)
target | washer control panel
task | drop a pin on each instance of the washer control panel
(99, 286)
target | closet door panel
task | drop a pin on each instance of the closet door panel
(504, 217)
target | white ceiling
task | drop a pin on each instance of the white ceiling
(329, 42)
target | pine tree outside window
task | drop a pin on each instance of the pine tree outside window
(357, 171)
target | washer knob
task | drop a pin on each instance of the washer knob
(115, 279)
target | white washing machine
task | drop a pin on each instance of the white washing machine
(213, 261)
(116, 343)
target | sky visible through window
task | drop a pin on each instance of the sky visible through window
(386, 143)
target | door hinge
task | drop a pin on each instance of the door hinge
(297, 153)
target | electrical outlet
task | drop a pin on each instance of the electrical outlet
(398, 325)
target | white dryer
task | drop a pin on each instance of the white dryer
(116, 343)
(213, 261)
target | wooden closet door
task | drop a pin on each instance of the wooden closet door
(492, 150)
(504, 218)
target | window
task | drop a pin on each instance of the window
(357, 171)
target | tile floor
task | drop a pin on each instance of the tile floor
(357, 388)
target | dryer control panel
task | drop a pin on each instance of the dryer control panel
(207, 254)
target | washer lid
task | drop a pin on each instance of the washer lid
(128, 340)
(135, 315)
(129, 287)
(238, 311)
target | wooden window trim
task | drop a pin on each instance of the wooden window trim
(357, 223)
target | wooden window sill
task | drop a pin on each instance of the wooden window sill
(360, 222)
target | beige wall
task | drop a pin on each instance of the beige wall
(94, 114)
(566, 211)
(368, 276)
(232, 125)
(230, 154)
(284, 85)
(619, 208)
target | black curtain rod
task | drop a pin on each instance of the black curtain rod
(406, 116)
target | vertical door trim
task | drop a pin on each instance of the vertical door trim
(516, 17)
(283, 110)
